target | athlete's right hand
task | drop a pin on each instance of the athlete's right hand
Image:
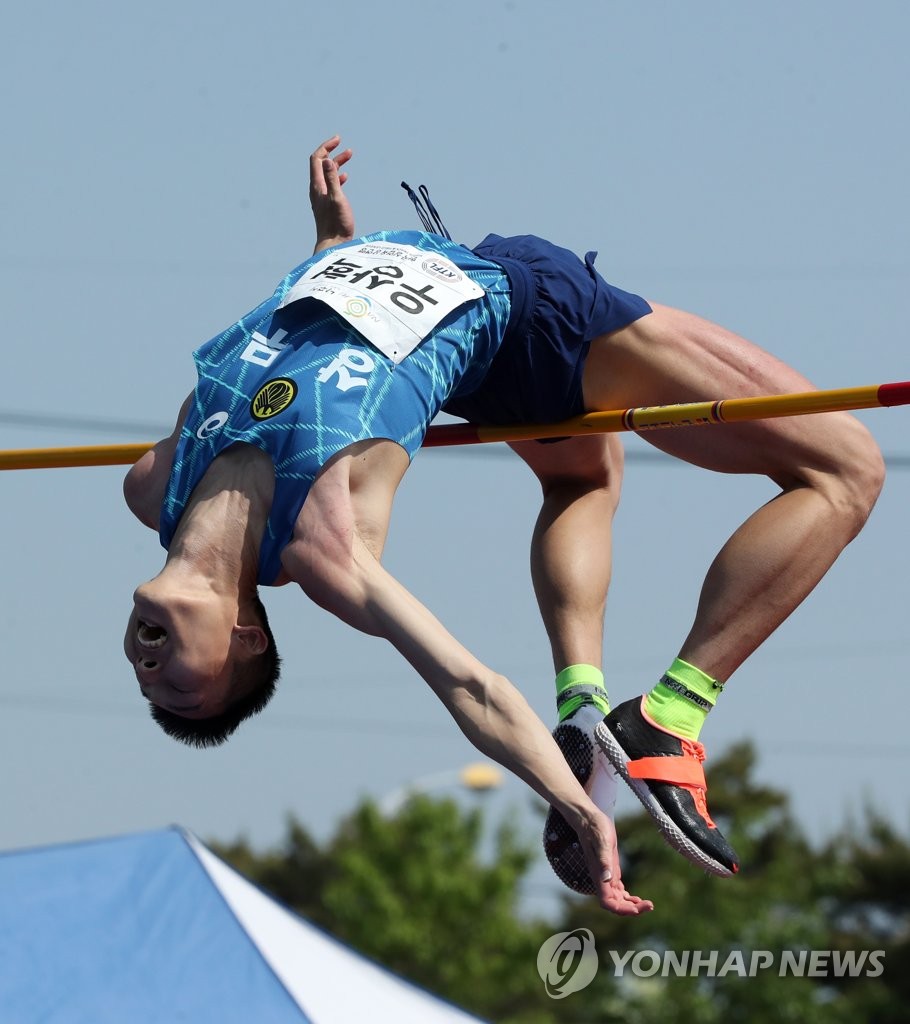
(331, 209)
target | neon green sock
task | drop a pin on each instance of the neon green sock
(577, 685)
(682, 699)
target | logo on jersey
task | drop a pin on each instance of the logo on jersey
(212, 425)
(272, 398)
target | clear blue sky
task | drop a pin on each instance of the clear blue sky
(746, 162)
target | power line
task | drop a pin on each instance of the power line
(92, 424)
(361, 727)
(415, 729)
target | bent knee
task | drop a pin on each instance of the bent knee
(854, 479)
(866, 473)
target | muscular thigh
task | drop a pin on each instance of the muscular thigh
(672, 356)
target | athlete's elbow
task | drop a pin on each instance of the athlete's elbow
(479, 692)
(136, 496)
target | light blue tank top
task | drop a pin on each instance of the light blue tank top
(301, 384)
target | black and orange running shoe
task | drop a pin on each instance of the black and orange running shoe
(665, 772)
(575, 738)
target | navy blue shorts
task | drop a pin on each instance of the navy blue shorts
(559, 305)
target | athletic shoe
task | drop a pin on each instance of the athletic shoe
(665, 772)
(575, 738)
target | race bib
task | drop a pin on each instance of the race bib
(394, 295)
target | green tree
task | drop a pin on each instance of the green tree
(870, 909)
(785, 898)
(413, 892)
(295, 872)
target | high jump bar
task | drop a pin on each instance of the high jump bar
(638, 420)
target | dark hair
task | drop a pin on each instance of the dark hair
(263, 670)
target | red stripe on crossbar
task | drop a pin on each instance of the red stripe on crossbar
(894, 394)
(442, 435)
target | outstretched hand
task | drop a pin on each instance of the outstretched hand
(331, 209)
(598, 838)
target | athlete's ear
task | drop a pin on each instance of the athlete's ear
(252, 639)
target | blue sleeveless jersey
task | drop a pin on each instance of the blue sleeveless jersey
(301, 384)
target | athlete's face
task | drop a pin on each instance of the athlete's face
(180, 648)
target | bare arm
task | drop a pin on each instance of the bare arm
(146, 482)
(331, 209)
(337, 568)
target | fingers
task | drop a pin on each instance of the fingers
(333, 179)
(326, 147)
(613, 897)
(342, 158)
(325, 168)
(604, 856)
(339, 160)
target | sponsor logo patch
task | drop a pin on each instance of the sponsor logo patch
(212, 425)
(272, 398)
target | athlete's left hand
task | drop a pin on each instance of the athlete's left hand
(597, 835)
(331, 209)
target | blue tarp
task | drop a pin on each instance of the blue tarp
(127, 930)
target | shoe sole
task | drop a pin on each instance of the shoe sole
(670, 831)
(560, 841)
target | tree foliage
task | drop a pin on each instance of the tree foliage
(413, 892)
(427, 894)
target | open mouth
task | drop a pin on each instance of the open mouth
(149, 636)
